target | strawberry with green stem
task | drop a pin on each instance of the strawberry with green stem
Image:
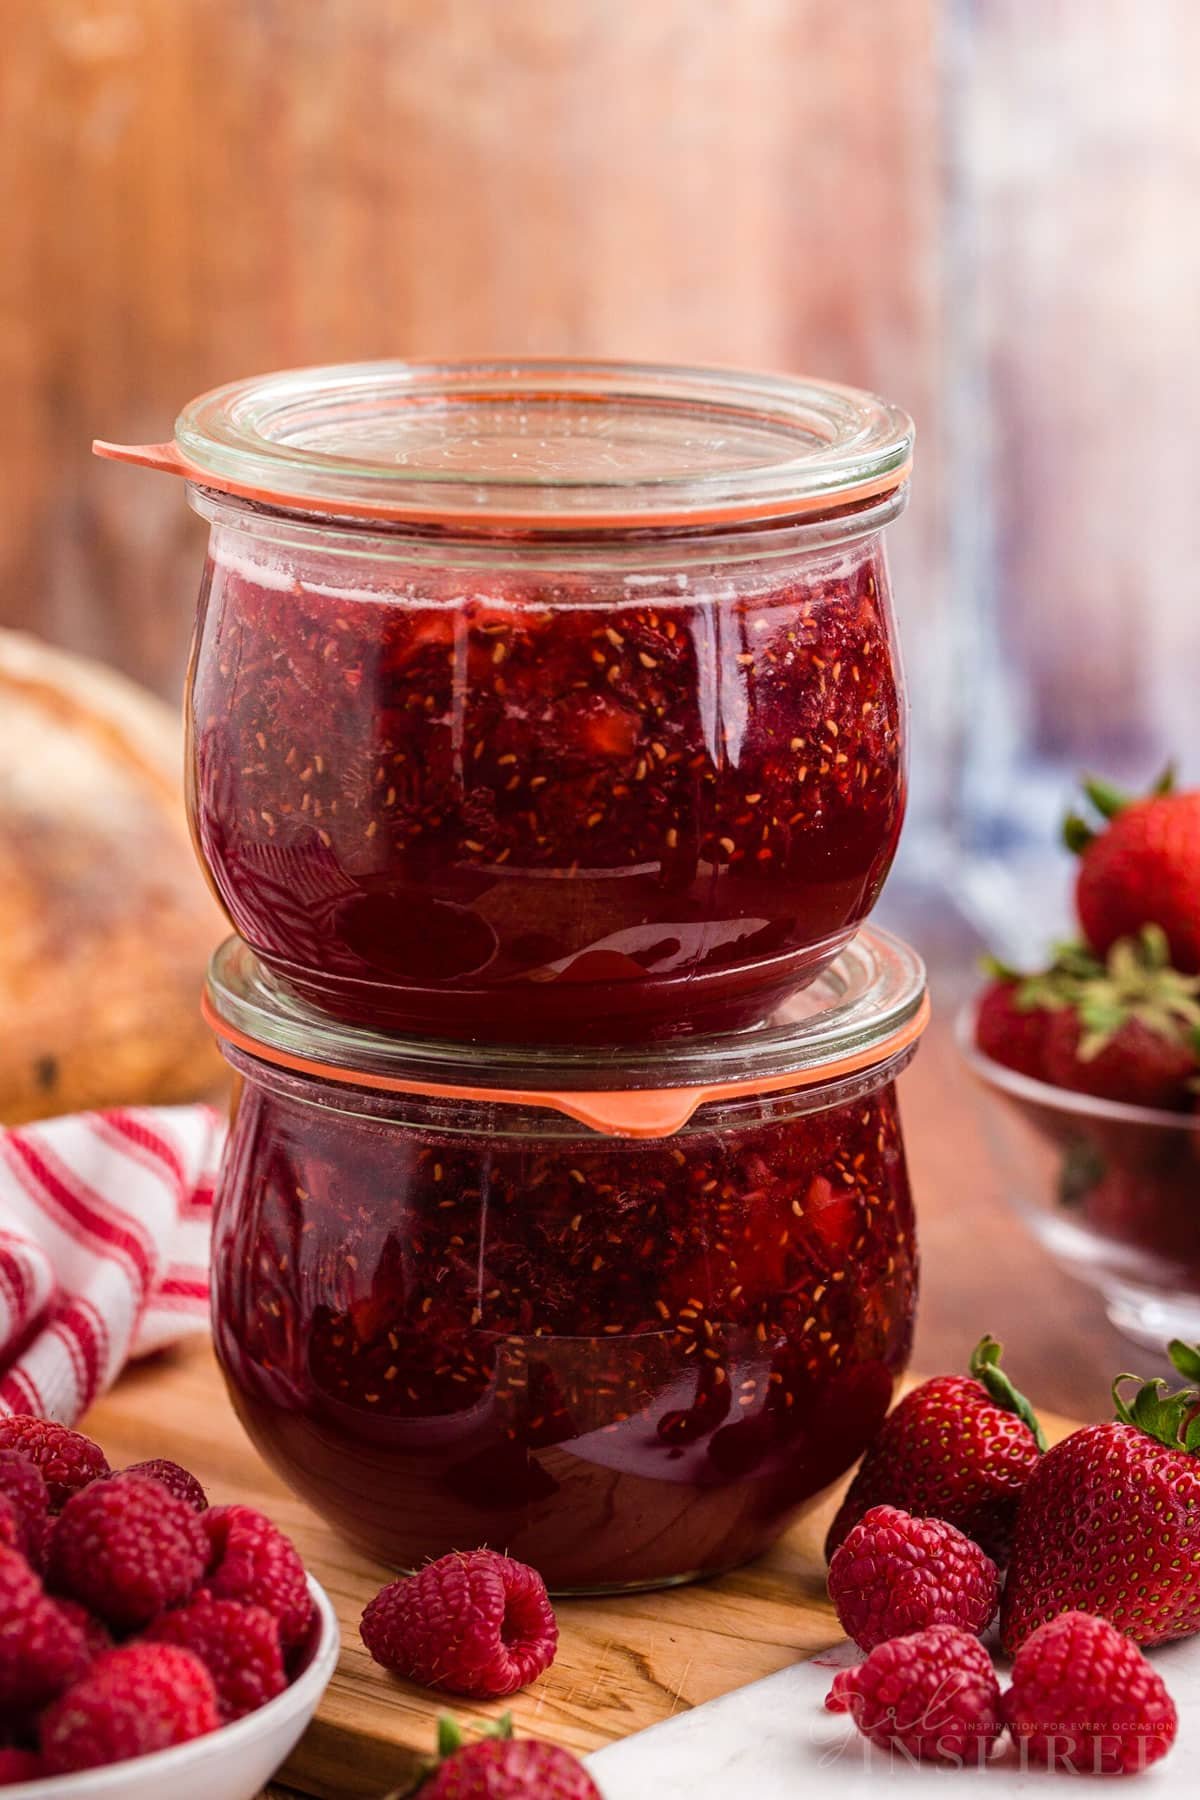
(1139, 864)
(958, 1448)
(1127, 1029)
(1010, 1027)
(498, 1766)
(1130, 1032)
(1109, 1521)
(1015, 1011)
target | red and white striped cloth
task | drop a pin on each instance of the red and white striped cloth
(104, 1244)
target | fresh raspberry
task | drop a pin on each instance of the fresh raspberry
(134, 1700)
(27, 1498)
(1084, 1698)
(41, 1649)
(473, 1623)
(238, 1645)
(934, 1693)
(127, 1548)
(19, 1765)
(894, 1575)
(12, 1527)
(505, 1770)
(181, 1482)
(251, 1560)
(67, 1459)
(96, 1636)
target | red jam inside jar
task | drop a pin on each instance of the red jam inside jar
(624, 766)
(451, 1320)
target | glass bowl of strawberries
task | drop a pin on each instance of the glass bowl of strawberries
(1095, 1061)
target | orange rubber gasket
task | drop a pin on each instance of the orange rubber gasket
(628, 1112)
(168, 459)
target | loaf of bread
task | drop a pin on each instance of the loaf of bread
(105, 920)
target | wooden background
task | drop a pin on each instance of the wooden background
(982, 209)
(193, 190)
(991, 220)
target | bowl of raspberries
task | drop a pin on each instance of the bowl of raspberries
(1095, 1062)
(149, 1643)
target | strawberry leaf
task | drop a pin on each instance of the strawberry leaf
(450, 1741)
(1167, 1417)
(1077, 834)
(1107, 799)
(1136, 982)
(985, 1367)
(449, 1736)
(999, 971)
(1073, 963)
(1186, 1358)
(1072, 958)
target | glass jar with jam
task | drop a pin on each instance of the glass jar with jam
(545, 701)
(623, 1314)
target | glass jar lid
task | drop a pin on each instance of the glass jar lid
(862, 1013)
(539, 444)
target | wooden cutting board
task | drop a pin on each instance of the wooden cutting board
(622, 1664)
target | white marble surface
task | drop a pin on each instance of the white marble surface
(773, 1740)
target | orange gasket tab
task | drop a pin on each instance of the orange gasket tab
(613, 1112)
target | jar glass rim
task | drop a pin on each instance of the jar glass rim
(859, 1013)
(289, 530)
(544, 444)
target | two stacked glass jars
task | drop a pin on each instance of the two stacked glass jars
(546, 749)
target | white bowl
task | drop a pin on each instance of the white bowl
(232, 1763)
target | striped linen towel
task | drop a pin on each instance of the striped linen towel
(104, 1245)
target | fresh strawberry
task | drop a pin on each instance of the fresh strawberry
(1137, 1064)
(1016, 1011)
(1151, 1210)
(1140, 866)
(1109, 1521)
(959, 1448)
(1010, 1030)
(1130, 1032)
(500, 1767)
(1125, 1029)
